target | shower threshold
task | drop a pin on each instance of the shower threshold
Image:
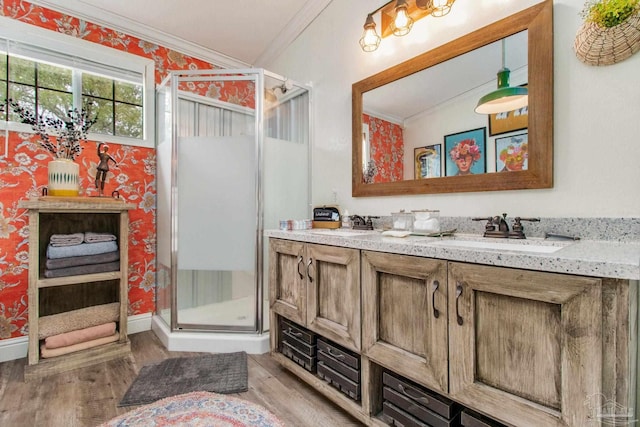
(209, 342)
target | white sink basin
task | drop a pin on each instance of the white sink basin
(517, 246)
(341, 233)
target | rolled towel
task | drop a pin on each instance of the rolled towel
(81, 335)
(81, 250)
(91, 237)
(83, 269)
(81, 318)
(52, 264)
(46, 352)
(66, 239)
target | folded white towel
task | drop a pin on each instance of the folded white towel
(91, 237)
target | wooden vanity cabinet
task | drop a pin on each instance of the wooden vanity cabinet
(525, 346)
(404, 301)
(317, 286)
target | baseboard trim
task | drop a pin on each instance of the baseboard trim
(16, 348)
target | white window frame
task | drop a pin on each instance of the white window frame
(73, 47)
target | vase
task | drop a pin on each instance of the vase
(64, 178)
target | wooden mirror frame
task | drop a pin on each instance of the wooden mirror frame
(538, 20)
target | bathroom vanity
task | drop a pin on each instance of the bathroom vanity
(528, 333)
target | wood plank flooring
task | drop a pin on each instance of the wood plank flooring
(89, 396)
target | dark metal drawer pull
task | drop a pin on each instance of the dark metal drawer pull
(300, 262)
(416, 397)
(458, 294)
(295, 334)
(436, 285)
(336, 355)
(309, 269)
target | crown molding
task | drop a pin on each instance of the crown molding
(294, 28)
(117, 22)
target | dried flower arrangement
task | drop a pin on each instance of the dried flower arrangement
(67, 132)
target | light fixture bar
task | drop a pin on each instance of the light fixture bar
(394, 11)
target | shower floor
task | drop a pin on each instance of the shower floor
(235, 312)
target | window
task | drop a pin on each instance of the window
(52, 72)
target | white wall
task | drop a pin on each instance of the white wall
(597, 113)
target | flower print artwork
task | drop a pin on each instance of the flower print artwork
(512, 153)
(466, 154)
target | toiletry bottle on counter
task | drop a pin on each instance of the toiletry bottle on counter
(346, 221)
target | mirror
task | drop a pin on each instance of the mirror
(417, 158)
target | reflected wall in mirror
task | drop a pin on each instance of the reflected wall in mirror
(415, 104)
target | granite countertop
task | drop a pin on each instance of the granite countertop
(596, 258)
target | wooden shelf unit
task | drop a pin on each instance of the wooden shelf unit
(48, 296)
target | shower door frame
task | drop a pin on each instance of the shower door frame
(257, 76)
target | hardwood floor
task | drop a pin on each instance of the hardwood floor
(89, 396)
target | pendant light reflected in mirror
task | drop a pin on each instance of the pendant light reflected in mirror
(505, 98)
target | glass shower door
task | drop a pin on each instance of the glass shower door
(214, 199)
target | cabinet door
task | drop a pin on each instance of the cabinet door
(287, 293)
(333, 294)
(525, 346)
(405, 316)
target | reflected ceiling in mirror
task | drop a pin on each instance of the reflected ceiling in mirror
(429, 100)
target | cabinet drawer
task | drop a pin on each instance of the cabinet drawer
(472, 419)
(430, 400)
(339, 354)
(301, 346)
(339, 381)
(307, 362)
(421, 413)
(397, 417)
(347, 371)
(297, 331)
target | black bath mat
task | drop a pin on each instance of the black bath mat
(220, 373)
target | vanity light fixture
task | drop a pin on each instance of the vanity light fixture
(370, 40)
(402, 23)
(438, 7)
(397, 18)
(505, 98)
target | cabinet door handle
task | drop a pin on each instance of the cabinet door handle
(309, 269)
(458, 294)
(300, 262)
(435, 286)
(413, 396)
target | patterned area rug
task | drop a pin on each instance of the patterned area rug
(220, 373)
(198, 409)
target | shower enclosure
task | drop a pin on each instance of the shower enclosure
(233, 159)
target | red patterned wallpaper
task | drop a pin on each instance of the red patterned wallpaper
(386, 146)
(23, 172)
